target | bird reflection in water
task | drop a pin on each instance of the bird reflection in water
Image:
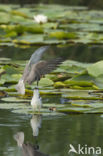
(29, 149)
(35, 123)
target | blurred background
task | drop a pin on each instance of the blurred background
(92, 4)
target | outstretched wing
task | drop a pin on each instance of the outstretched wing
(47, 67)
(36, 56)
(41, 68)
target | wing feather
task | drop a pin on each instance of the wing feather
(48, 66)
(36, 56)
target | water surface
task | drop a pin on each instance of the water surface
(55, 135)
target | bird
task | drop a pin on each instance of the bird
(36, 68)
(36, 101)
(27, 148)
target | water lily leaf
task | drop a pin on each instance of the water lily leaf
(24, 108)
(10, 69)
(59, 85)
(5, 8)
(29, 39)
(15, 12)
(73, 110)
(62, 35)
(50, 92)
(5, 18)
(99, 81)
(95, 69)
(95, 110)
(16, 106)
(14, 99)
(92, 105)
(82, 97)
(49, 25)
(78, 83)
(34, 28)
(72, 92)
(96, 82)
(45, 82)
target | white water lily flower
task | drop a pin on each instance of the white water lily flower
(40, 19)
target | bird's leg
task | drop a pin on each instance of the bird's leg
(36, 146)
(37, 83)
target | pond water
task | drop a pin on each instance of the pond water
(77, 52)
(56, 132)
(55, 135)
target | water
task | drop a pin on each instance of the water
(77, 52)
(55, 135)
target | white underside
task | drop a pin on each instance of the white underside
(36, 102)
(20, 87)
(35, 124)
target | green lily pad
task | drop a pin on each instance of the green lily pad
(45, 82)
(73, 110)
(96, 69)
(14, 99)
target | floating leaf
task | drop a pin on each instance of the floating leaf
(62, 35)
(95, 69)
(59, 85)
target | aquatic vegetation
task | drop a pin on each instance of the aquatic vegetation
(82, 92)
(40, 19)
(60, 25)
(77, 86)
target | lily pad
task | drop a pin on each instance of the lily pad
(45, 82)
(14, 99)
(96, 69)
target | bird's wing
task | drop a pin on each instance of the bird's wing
(26, 72)
(36, 56)
(48, 66)
(41, 68)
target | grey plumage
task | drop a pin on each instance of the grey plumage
(36, 68)
(35, 57)
(27, 148)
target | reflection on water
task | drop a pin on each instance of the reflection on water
(35, 123)
(79, 52)
(55, 135)
(29, 149)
